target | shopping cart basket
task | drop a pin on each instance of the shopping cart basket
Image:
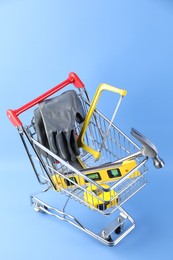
(112, 167)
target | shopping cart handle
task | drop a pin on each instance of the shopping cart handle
(149, 149)
(13, 114)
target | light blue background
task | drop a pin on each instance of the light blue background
(125, 43)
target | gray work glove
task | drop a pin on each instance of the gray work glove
(40, 131)
(59, 115)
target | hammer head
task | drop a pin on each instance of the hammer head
(149, 149)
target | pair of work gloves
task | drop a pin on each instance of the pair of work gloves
(55, 120)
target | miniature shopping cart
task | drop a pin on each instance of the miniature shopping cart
(111, 170)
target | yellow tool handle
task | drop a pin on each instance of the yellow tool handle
(93, 105)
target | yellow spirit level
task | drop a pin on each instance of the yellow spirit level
(102, 174)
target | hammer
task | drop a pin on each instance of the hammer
(149, 149)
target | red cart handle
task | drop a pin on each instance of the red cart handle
(13, 114)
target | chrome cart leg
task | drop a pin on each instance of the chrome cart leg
(41, 206)
(110, 235)
(115, 231)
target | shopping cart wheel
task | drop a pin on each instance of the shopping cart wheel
(118, 230)
(39, 208)
(109, 239)
(106, 237)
